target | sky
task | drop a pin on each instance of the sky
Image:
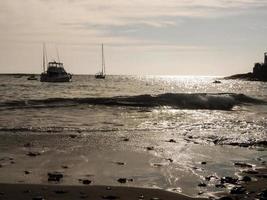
(141, 37)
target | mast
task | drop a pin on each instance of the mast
(44, 57)
(103, 60)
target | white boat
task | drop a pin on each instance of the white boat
(55, 71)
(102, 73)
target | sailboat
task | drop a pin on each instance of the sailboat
(55, 71)
(101, 74)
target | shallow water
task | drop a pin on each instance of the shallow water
(46, 114)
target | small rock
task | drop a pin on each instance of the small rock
(33, 154)
(108, 188)
(203, 163)
(86, 182)
(61, 191)
(238, 190)
(141, 197)
(64, 166)
(73, 136)
(150, 148)
(228, 179)
(155, 198)
(55, 176)
(202, 185)
(172, 141)
(2, 193)
(170, 160)
(27, 172)
(120, 163)
(125, 139)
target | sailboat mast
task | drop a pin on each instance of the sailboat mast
(44, 56)
(103, 60)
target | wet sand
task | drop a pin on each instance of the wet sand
(45, 192)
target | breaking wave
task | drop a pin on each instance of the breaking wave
(211, 101)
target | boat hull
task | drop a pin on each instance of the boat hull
(55, 79)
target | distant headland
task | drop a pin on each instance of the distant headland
(259, 72)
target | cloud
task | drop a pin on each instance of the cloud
(83, 20)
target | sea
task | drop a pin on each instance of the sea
(167, 132)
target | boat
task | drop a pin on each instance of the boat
(101, 74)
(55, 71)
(32, 78)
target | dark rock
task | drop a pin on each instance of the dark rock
(216, 81)
(202, 185)
(203, 163)
(110, 197)
(172, 141)
(228, 179)
(122, 180)
(33, 154)
(86, 182)
(73, 136)
(157, 165)
(27, 172)
(150, 148)
(238, 190)
(64, 166)
(26, 191)
(125, 139)
(55, 176)
(170, 160)
(120, 163)
(2, 193)
(241, 164)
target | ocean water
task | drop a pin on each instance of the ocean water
(132, 119)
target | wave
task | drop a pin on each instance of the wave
(211, 101)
